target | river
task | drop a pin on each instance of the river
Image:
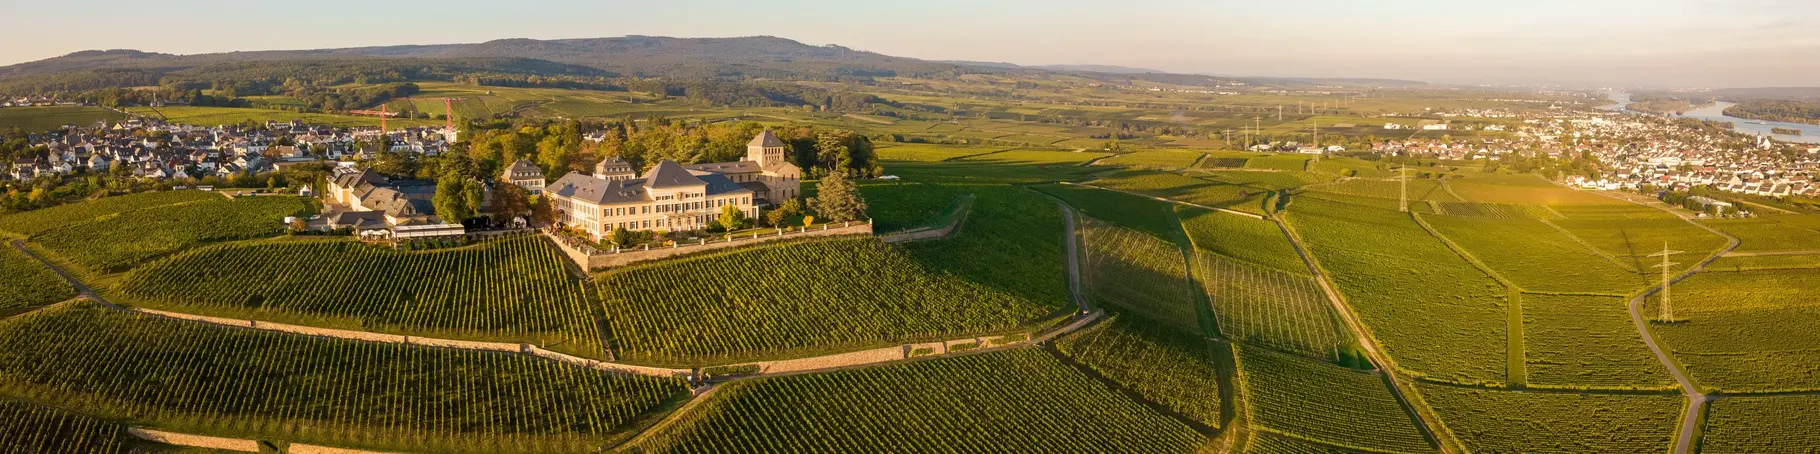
(1809, 133)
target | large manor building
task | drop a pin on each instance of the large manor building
(675, 197)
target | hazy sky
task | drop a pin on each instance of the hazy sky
(1653, 42)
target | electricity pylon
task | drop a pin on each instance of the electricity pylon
(1668, 312)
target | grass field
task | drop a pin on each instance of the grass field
(510, 290)
(41, 119)
(116, 243)
(1174, 370)
(1502, 421)
(1013, 401)
(1320, 401)
(1437, 315)
(794, 299)
(1761, 424)
(199, 378)
(1586, 342)
(1747, 331)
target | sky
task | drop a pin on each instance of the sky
(1657, 43)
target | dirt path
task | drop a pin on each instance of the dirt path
(1073, 256)
(1766, 254)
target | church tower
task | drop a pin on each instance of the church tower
(767, 150)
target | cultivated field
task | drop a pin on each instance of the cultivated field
(1503, 421)
(41, 220)
(1321, 402)
(1254, 241)
(1537, 256)
(1140, 274)
(30, 428)
(1175, 370)
(1018, 400)
(1271, 309)
(1747, 331)
(1179, 187)
(1586, 342)
(116, 243)
(1761, 424)
(26, 283)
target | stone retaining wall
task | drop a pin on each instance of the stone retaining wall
(602, 365)
(609, 259)
(195, 441)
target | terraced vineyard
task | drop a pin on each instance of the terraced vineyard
(1502, 421)
(25, 283)
(1761, 424)
(793, 299)
(1325, 403)
(510, 290)
(46, 219)
(1747, 331)
(1388, 268)
(1587, 342)
(1017, 400)
(205, 379)
(117, 243)
(1174, 370)
(29, 428)
(1140, 274)
(1253, 241)
(1266, 308)
(1538, 257)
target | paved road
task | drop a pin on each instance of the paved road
(81, 290)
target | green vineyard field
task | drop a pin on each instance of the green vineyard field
(1503, 421)
(1320, 401)
(1174, 370)
(1023, 400)
(1587, 342)
(25, 283)
(1270, 309)
(1538, 257)
(117, 243)
(1747, 331)
(42, 220)
(29, 428)
(510, 290)
(1253, 241)
(1178, 187)
(1140, 274)
(1738, 425)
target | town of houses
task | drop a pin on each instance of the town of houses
(1649, 152)
(158, 150)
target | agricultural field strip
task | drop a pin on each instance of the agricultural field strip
(1178, 202)
(1427, 420)
(1589, 246)
(1696, 400)
(1515, 351)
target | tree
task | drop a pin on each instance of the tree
(475, 195)
(783, 212)
(619, 236)
(451, 200)
(838, 199)
(510, 201)
(733, 218)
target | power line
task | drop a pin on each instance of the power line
(1667, 311)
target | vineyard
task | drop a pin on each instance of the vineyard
(929, 152)
(25, 283)
(1497, 210)
(795, 299)
(1171, 369)
(1503, 421)
(1012, 241)
(1265, 180)
(1363, 201)
(1319, 401)
(1633, 240)
(511, 290)
(1153, 159)
(1142, 213)
(1523, 189)
(1747, 331)
(204, 379)
(1253, 241)
(1140, 274)
(1764, 262)
(1420, 189)
(1269, 443)
(1767, 235)
(1537, 257)
(1278, 162)
(42, 220)
(28, 428)
(1023, 400)
(1364, 169)
(117, 243)
(1587, 342)
(902, 206)
(1761, 424)
(1270, 309)
(1187, 189)
(1436, 313)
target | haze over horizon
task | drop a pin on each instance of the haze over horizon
(1670, 43)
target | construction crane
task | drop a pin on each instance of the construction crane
(448, 106)
(382, 113)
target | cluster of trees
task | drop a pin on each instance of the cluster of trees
(558, 147)
(1777, 110)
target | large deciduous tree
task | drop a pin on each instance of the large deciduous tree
(451, 201)
(837, 199)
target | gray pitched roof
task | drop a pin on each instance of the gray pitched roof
(719, 185)
(598, 191)
(765, 139)
(726, 167)
(669, 174)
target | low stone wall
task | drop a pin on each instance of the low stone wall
(465, 345)
(194, 441)
(609, 259)
(863, 357)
